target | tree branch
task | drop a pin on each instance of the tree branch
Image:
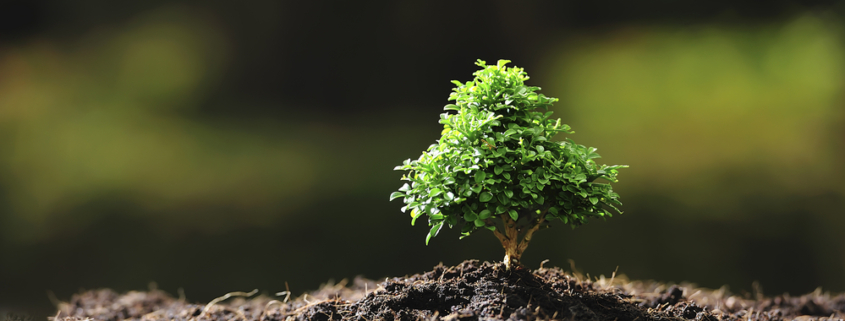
(500, 236)
(510, 227)
(523, 244)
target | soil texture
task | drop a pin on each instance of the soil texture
(468, 291)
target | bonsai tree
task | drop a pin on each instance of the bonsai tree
(497, 168)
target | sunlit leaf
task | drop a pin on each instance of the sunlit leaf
(396, 195)
(433, 232)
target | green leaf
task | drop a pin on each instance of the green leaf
(479, 223)
(498, 170)
(507, 175)
(594, 200)
(540, 149)
(479, 176)
(433, 232)
(485, 197)
(501, 64)
(469, 217)
(501, 209)
(514, 216)
(485, 214)
(405, 188)
(509, 193)
(503, 199)
(414, 216)
(476, 189)
(396, 195)
(435, 192)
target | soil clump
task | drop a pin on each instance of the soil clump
(468, 291)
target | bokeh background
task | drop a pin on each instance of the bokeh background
(219, 146)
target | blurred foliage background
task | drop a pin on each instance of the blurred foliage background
(217, 147)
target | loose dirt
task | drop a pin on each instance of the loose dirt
(468, 291)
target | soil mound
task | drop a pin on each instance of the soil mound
(468, 291)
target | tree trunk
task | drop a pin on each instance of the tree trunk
(512, 256)
(510, 242)
(513, 245)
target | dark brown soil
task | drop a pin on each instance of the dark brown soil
(469, 291)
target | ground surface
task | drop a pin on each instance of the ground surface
(468, 291)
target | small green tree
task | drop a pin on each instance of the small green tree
(496, 168)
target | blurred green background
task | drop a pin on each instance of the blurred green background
(216, 146)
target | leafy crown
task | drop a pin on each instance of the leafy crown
(496, 157)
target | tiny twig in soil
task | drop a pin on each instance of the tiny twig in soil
(612, 276)
(241, 313)
(267, 306)
(228, 295)
(444, 274)
(286, 293)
